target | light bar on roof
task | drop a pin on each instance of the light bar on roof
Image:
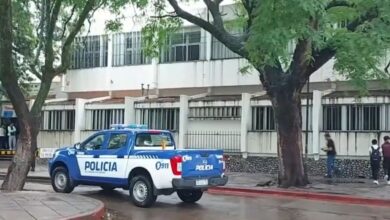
(128, 126)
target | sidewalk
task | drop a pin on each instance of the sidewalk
(337, 186)
(46, 206)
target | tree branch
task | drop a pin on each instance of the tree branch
(50, 27)
(68, 20)
(169, 15)
(233, 43)
(387, 67)
(249, 6)
(301, 59)
(66, 48)
(213, 7)
(324, 55)
(35, 71)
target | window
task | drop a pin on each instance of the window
(159, 118)
(220, 51)
(128, 50)
(96, 143)
(332, 118)
(215, 113)
(185, 46)
(100, 119)
(117, 141)
(153, 140)
(263, 118)
(90, 52)
(363, 117)
(58, 120)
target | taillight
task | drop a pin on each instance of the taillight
(176, 164)
(223, 164)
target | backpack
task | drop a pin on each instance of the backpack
(375, 154)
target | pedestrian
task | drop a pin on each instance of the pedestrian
(386, 157)
(12, 136)
(375, 159)
(330, 150)
(3, 138)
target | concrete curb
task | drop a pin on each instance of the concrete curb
(346, 199)
(97, 214)
(3, 175)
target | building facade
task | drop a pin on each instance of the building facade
(196, 90)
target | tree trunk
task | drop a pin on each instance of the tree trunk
(21, 162)
(287, 108)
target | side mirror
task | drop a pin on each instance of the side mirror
(77, 146)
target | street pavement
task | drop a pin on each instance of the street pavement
(259, 207)
(355, 187)
(216, 207)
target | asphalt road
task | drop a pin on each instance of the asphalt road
(217, 207)
(212, 207)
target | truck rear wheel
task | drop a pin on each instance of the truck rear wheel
(61, 181)
(190, 196)
(141, 191)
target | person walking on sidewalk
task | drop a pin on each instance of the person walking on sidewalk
(375, 159)
(330, 150)
(386, 157)
(12, 136)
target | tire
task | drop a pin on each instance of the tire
(190, 196)
(141, 191)
(61, 181)
(107, 188)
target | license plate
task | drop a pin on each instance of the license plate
(202, 182)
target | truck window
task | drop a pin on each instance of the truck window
(153, 140)
(117, 141)
(95, 143)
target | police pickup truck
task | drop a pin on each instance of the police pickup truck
(145, 162)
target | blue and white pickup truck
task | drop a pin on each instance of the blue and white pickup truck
(146, 162)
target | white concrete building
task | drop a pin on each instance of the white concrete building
(196, 90)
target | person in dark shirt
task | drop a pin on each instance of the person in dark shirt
(386, 157)
(330, 150)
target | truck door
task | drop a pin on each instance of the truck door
(88, 157)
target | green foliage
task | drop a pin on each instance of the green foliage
(24, 40)
(276, 24)
(156, 34)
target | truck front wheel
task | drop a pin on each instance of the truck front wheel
(141, 191)
(61, 181)
(190, 196)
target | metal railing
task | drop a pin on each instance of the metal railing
(229, 141)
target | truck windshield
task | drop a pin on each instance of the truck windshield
(154, 139)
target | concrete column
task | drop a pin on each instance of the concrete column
(155, 70)
(109, 50)
(79, 124)
(316, 118)
(129, 110)
(209, 42)
(343, 118)
(183, 121)
(246, 115)
(383, 122)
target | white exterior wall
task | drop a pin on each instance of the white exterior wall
(171, 75)
(168, 75)
(55, 139)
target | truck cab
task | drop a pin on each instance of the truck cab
(146, 162)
